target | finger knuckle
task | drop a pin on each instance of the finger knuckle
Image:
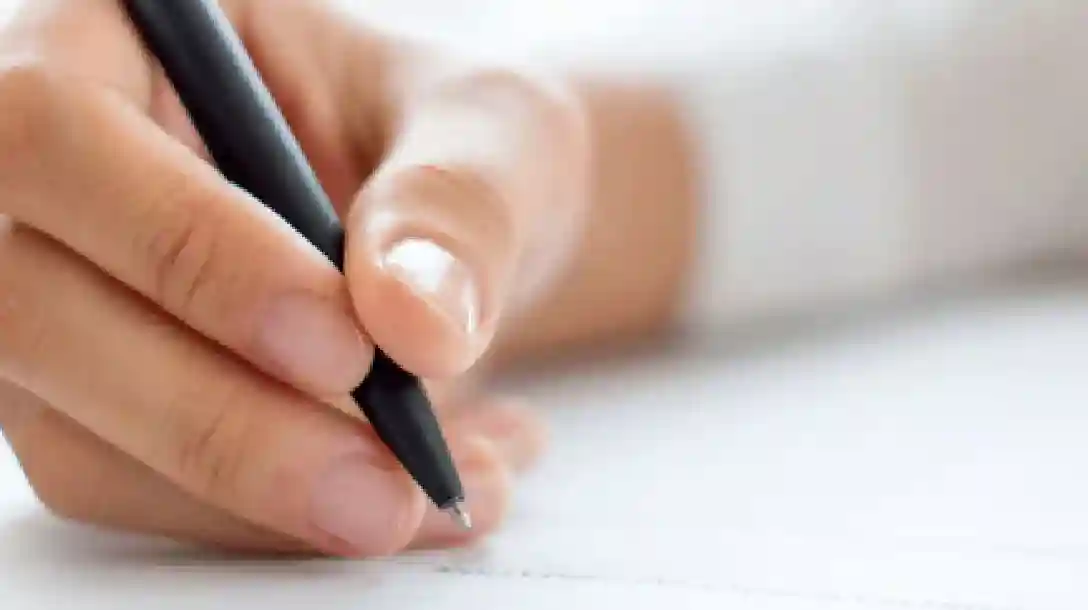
(181, 250)
(548, 103)
(212, 451)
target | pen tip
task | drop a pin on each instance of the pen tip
(459, 513)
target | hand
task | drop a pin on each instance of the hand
(177, 361)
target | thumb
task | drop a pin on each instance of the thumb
(474, 201)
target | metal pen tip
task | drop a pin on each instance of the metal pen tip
(458, 511)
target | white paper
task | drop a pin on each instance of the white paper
(933, 463)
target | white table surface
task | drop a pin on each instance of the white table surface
(931, 461)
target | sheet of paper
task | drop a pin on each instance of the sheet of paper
(934, 463)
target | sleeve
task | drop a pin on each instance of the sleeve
(896, 150)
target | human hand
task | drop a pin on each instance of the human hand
(177, 361)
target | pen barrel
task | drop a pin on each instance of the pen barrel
(253, 147)
(408, 420)
(236, 116)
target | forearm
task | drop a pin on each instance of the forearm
(819, 180)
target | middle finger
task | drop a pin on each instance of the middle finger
(205, 421)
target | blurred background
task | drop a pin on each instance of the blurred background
(883, 143)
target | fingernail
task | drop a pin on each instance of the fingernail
(315, 342)
(437, 277)
(362, 506)
(487, 495)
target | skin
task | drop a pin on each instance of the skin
(175, 361)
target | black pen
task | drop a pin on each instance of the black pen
(252, 145)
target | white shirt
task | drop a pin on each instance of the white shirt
(849, 148)
(885, 148)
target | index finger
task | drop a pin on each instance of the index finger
(80, 161)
